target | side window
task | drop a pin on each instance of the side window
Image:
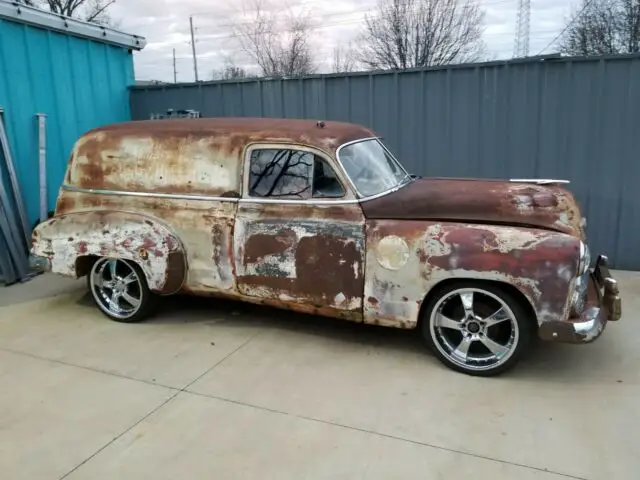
(280, 174)
(325, 181)
(291, 174)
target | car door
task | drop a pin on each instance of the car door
(299, 232)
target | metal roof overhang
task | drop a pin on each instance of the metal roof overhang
(39, 18)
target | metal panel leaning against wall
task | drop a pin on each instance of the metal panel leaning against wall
(550, 117)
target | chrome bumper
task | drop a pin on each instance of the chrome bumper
(608, 288)
(603, 304)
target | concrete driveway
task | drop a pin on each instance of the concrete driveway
(221, 390)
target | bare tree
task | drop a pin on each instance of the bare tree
(88, 10)
(279, 42)
(422, 33)
(344, 59)
(281, 173)
(601, 27)
(230, 71)
(631, 25)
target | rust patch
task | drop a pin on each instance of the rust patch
(95, 175)
(532, 197)
(176, 273)
(65, 203)
(373, 301)
(200, 156)
(344, 213)
(325, 267)
(260, 245)
(482, 201)
(324, 271)
(238, 130)
(310, 261)
(128, 237)
(539, 263)
(230, 194)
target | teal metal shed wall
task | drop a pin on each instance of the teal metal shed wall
(78, 83)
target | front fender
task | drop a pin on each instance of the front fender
(406, 259)
(145, 240)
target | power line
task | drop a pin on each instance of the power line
(578, 15)
(325, 25)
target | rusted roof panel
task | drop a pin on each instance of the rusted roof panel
(247, 129)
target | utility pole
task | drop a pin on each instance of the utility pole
(521, 46)
(193, 48)
(175, 72)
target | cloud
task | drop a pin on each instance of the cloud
(165, 24)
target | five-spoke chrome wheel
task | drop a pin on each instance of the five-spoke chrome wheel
(119, 288)
(477, 330)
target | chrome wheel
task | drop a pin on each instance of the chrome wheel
(474, 329)
(116, 287)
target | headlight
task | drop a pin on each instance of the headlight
(585, 259)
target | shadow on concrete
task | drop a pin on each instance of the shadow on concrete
(545, 362)
(187, 309)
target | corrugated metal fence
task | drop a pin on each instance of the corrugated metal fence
(577, 119)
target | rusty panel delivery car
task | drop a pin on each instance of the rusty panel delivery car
(319, 217)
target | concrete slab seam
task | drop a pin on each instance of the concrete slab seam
(385, 435)
(156, 409)
(90, 369)
(222, 360)
(147, 415)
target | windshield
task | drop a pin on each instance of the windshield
(371, 168)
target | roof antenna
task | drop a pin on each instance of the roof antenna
(320, 124)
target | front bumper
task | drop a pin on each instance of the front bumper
(603, 304)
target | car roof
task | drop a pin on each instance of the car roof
(327, 135)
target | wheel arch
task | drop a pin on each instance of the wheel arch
(512, 290)
(75, 241)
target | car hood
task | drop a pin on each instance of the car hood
(498, 202)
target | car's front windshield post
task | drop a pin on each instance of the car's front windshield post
(371, 167)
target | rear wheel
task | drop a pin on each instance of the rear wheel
(120, 290)
(477, 329)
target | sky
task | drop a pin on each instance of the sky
(165, 25)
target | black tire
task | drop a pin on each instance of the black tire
(148, 301)
(434, 332)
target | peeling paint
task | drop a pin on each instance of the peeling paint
(537, 262)
(128, 237)
(373, 261)
(316, 261)
(487, 202)
(392, 252)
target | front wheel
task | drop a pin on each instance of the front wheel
(476, 329)
(120, 290)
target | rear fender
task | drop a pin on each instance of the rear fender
(130, 236)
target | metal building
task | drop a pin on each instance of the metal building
(72, 75)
